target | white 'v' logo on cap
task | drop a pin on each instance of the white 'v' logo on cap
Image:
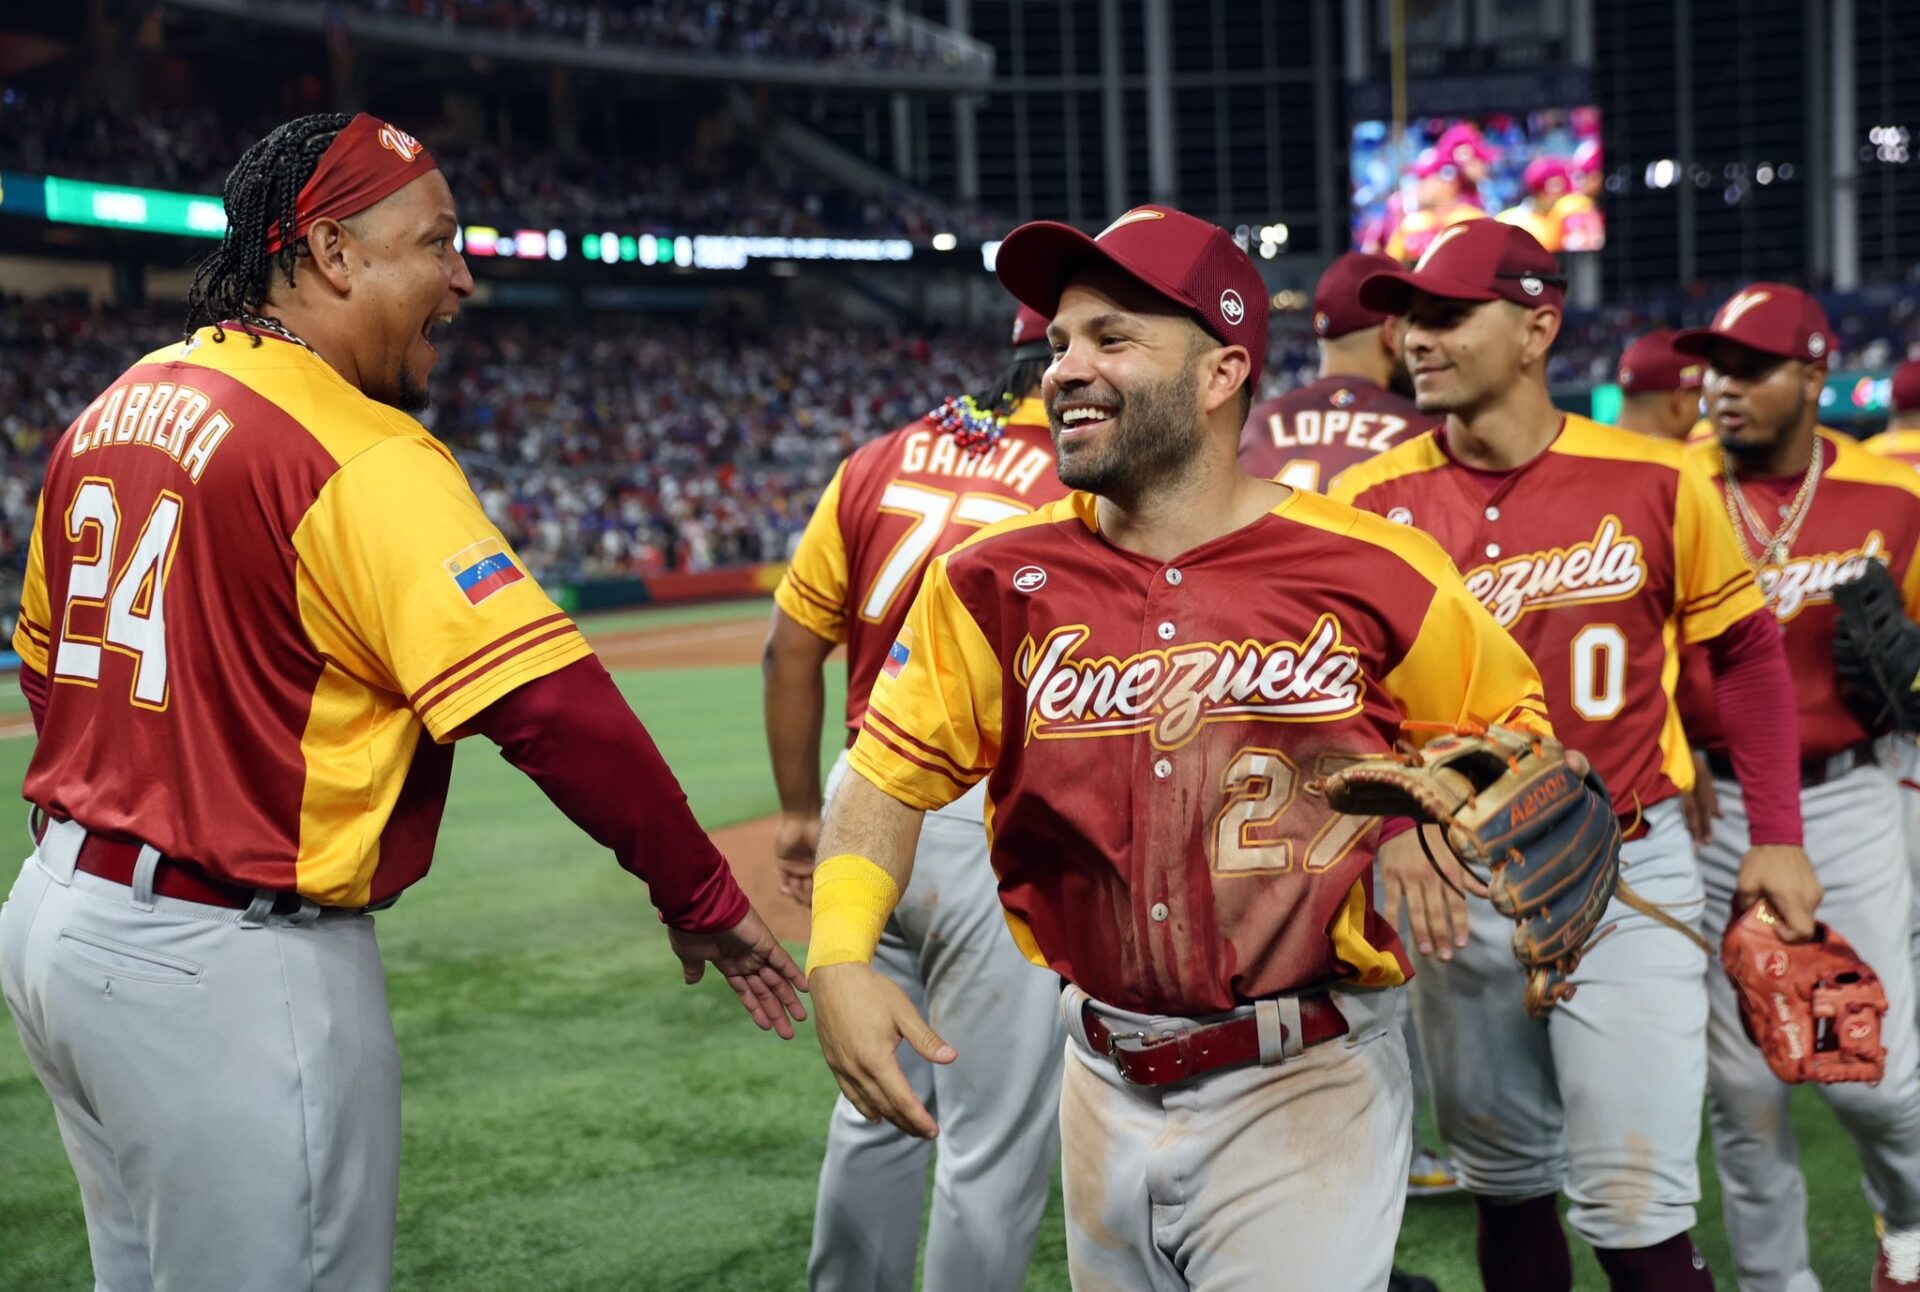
(1730, 312)
(1445, 237)
(1131, 217)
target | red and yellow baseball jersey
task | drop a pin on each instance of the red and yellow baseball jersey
(1311, 434)
(1865, 507)
(895, 504)
(1572, 223)
(1601, 556)
(1901, 446)
(1149, 732)
(253, 590)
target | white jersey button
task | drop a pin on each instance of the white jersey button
(1163, 769)
(1159, 912)
(1174, 577)
(1493, 549)
(1166, 632)
(1493, 513)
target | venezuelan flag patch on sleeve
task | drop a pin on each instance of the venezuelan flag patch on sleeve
(897, 657)
(482, 569)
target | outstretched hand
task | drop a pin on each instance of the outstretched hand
(863, 1019)
(755, 965)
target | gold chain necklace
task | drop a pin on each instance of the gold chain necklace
(1774, 545)
(263, 323)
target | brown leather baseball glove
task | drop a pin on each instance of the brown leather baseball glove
(1813, 1008)
(1512, 807)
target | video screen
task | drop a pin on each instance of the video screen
(1540, 170)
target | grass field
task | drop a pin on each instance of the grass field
(576, 1119)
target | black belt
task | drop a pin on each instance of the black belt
(1813, 771)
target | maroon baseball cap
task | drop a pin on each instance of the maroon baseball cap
(1772, 318)
(1479, 260)
(1906, 386)
(1336, 300)
(1029, 326)
(1192, 263)
(1651, 364)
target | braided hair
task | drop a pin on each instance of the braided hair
(260, 194)
(977, 420)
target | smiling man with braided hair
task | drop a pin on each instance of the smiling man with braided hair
(261, 603)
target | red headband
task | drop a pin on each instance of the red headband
(367, 160)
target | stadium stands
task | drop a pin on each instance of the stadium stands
(729, 186)
(834, 34)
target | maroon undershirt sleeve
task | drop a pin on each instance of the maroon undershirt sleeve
(1754, 694)
(33, 685)
(573, 733)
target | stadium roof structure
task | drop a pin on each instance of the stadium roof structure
(954, 62)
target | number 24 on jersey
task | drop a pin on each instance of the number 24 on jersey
(132, 591)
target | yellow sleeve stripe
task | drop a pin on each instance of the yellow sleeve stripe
(40, 635)
(516, 643)
(871, 762)
(1725, 592)
(427, 694)
(32, 653)
(518, 666)
(918, 752)
(807, 592)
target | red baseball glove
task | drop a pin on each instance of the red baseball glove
(1813, 1008)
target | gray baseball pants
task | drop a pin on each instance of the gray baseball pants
(1289, 1175)
(1854, 836)
(226, 1083)
(1601, 1098)
(948, 948)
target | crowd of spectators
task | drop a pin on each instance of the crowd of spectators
(623, 446)
(730, 187)
(631, 448)
(788, 31)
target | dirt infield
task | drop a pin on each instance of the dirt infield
(749, 850)
(716, 645)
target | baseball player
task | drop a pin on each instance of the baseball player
(1809, 508)
(1446, 199)
(896, 503)
(1660, 387)
(1901, 442)
(1360, 405)
(261, 602)
(1600, 552)
(1556, 212)
(1147, 705)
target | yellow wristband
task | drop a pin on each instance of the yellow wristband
(852, 899)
